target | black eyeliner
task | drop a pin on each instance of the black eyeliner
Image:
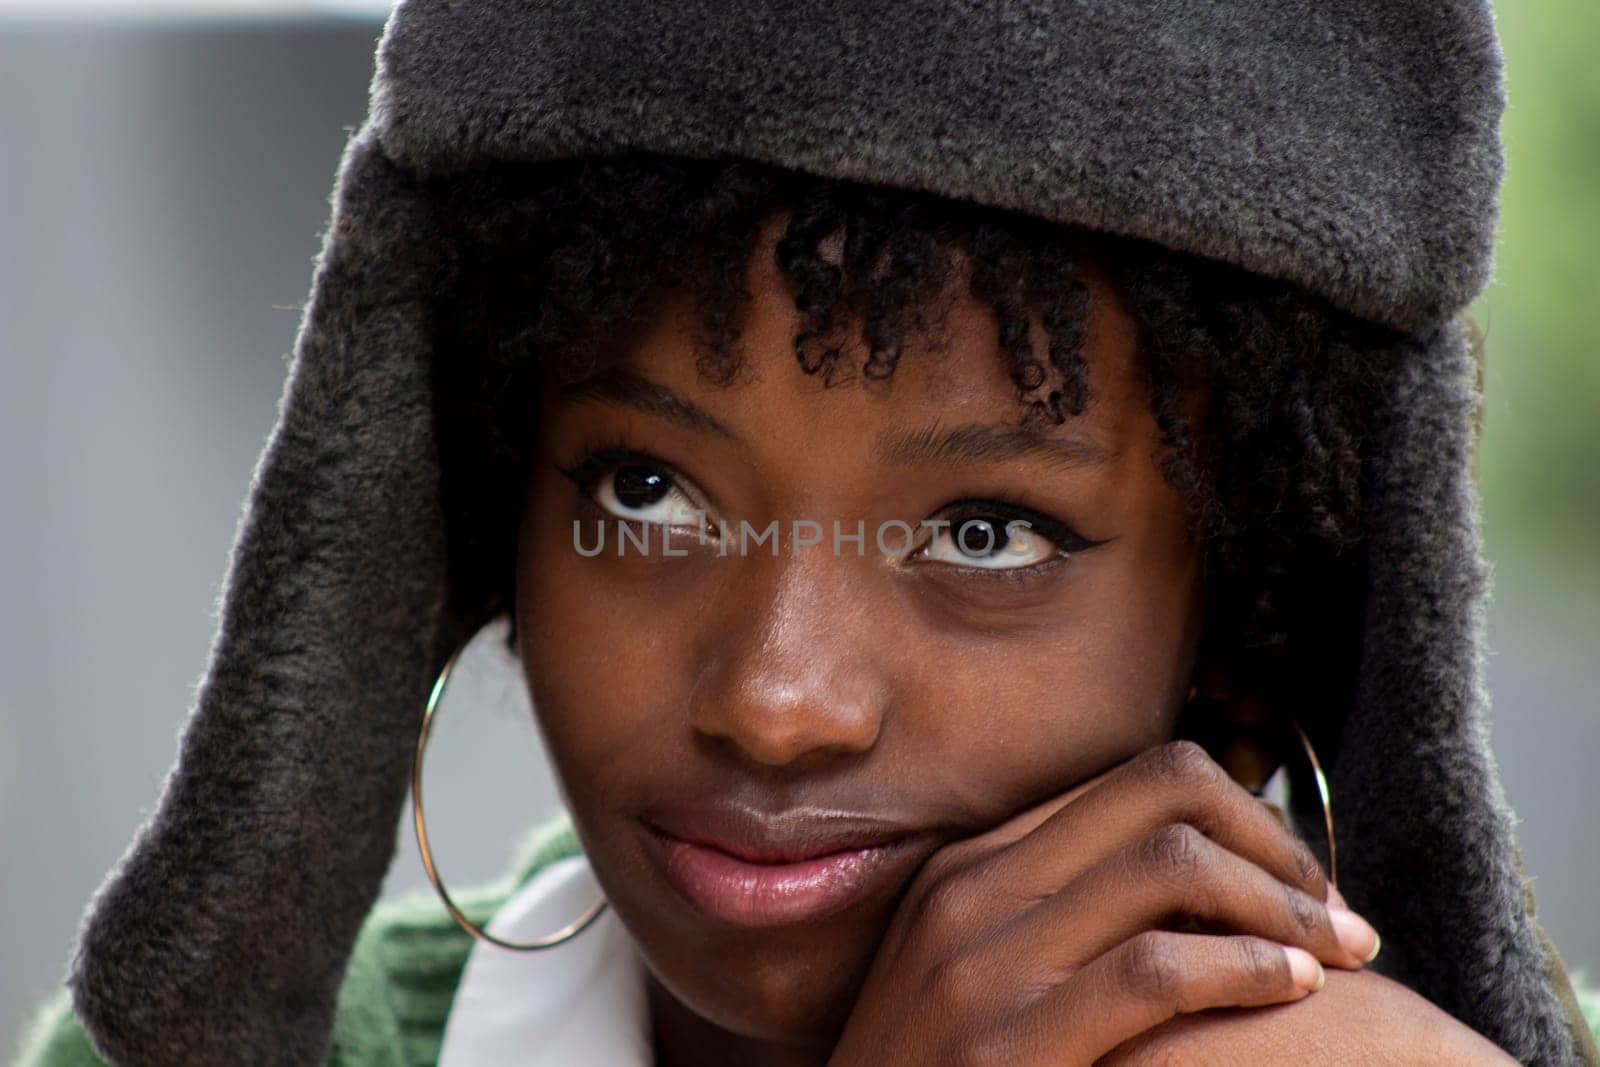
(1059, 533)
(585, 471)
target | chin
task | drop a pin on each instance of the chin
(794, 986)
(799, 1008)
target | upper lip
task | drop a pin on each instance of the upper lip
(781, 836)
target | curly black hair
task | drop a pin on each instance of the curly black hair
(550, 259)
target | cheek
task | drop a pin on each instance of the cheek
(598, 650)
(1016, 721)
(588, 710)
(1138, 634)
(1036, 711)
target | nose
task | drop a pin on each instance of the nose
(791, 676)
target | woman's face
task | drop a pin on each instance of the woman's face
(923, 682)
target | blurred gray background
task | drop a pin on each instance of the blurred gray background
(163, 187)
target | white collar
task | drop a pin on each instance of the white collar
(582, 1001)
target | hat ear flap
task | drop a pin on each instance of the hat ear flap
(1426, 847)
(222, 935)
(1478, 344)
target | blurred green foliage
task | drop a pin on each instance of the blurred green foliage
(1540, 460)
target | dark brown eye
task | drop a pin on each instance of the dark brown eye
(990, 542)
(640, 487)
(980, 537)
(991, 535)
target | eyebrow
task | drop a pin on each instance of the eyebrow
(970, 443)
(980, 443)
(621, 386)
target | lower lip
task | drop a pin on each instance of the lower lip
(772, 894)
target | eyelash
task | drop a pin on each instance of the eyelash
(585, 472)
(595, 461)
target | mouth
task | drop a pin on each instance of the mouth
(751, 872)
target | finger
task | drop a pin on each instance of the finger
(1281, 816)
(1176, 782)
(1149, 979)
(1335, 898)
(1028, 819)
(966, 851)
(1176, 874)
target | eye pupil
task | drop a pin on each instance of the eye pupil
(639, 487)
(979, 537)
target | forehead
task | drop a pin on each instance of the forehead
(952, 375)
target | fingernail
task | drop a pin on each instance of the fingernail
(1335, 897)
(1304, 969)
(1355, 934)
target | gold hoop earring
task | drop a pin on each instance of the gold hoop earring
(1327, 805)
(566, 933)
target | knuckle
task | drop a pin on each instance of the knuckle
(1185, 761)
(1176, 852)
(1151, 969)
(1306, 864)
(1197, 784)
(1309, 917)
(1261, 962)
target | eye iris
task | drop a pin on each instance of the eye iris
(639, 487)
(979, 537)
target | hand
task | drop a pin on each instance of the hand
(1361, 1018)
(1049, 939)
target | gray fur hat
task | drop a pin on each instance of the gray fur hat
(1348, 146)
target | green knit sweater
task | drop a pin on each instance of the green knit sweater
(403, 974)
(397, 991)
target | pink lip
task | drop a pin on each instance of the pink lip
(743, 893)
